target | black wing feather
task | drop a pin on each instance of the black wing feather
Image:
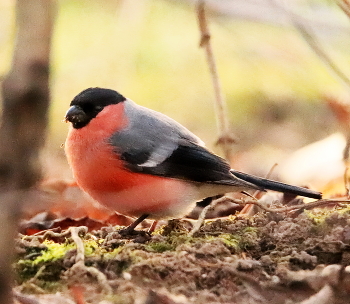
(189, 162)
(276, 186)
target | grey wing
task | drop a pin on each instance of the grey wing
(155, 144)
(150, 137)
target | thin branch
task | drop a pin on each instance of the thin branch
(267, 176)
(345, 6)
(299, 207)
(32, 283)
(248, 209)
(225, 136)
(203, 214)
(291, 208)
(47, 234)
(310, 39)
(74, 231)
(315, 46)
(79, 266)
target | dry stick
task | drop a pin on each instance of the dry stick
(203, 214)
(309, 38)
(311, 205)
(345, 6)
(225, 138)
(290, 208)
(80, 260)
(74, 231)
(267, 176)
(205, 210)
(311, 41)
(31, 283)
(47, 234)
(246, 209)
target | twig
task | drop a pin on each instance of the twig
(306, 206)
(309, 38)
(267, 176)
(80, 256)
(248, 210)
(315, 46)
(290, 208)
(345, 6)
(47, 234)
(31, 283)
(203, 214)
(225, 136)
(79, 265)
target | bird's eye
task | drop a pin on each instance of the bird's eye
(88, 107)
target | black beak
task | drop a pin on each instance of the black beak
(75, 114)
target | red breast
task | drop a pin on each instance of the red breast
(94, 161)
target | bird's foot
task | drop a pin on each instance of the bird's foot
(138, 236)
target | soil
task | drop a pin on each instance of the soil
(264, 258)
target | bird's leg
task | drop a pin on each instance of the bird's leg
(153, 227)
(131, 228)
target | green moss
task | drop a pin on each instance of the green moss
(43, 286)
(26, 269)
(230, 240)
(160, 247)
(52, 258)
(175, 234)
(322, 216)
(319, 216)
(54, 252)
(108, 255)
(249, 238)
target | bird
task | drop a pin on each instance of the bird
(142, 163)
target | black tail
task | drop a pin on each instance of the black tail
(276, 186)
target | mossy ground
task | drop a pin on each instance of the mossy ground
(207, 268)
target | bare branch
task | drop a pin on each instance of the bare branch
(225, 136)
(310, 39)
(306, 206)
(203, 214)
(316, 47)
(345, 6)
(79, 267)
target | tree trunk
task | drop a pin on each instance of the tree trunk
(25, 92)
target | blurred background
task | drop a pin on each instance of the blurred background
(277, 85)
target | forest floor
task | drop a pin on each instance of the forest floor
(299, 256)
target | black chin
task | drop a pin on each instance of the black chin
(80, 124)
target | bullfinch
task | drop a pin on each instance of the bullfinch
(141, 163)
